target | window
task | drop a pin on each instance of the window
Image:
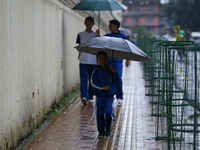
(137, 8)
(150, 8)
(136, 19)
(149, 19)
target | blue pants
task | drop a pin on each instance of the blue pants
(104, 113)
(119, 68)
(85, 75)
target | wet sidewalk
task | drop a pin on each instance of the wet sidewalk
(75, 127)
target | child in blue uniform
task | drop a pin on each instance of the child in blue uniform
(117, 63)
(104, 80)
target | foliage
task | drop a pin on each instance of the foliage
(177, 34)
(140, 30)
(65, 101)
(183, 12)
(142, 37)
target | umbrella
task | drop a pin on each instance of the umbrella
(99, 5)
(132, 39)
(127, 32)
(115, 48)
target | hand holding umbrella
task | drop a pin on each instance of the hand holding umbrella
(97, 33)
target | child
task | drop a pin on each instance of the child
(117, 63)
(103, 81)
(87, 61)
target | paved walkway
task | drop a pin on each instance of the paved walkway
(75, 127)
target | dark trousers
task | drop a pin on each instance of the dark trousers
(85, 75)
(119, 68)
(104, 113)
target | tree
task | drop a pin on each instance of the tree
(140, 30)
(184, 13)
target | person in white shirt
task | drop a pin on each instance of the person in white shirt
(87, 61)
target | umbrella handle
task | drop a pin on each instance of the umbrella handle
(112, 57)
(99, 20)
(110, 74)
(111, 64)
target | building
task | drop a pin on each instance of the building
(142, 13)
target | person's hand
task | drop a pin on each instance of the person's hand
(112, 68)
(127, 63)
(79, 55)
(107, 88)
(97, 33)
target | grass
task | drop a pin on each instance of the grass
(56, 108)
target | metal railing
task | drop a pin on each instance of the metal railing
(172, 83)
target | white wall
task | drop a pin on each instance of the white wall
(38, 64)
(30, 66)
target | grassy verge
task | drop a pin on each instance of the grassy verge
(56, 109)
(52, 113)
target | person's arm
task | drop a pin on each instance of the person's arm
(97, 33)
(107, 88)
(115, 74)
(112, 68)
(127, 63)
(95, 82)
(78, 41)
(115, 77)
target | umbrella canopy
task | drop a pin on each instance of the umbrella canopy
(127, 32)
(132, 39)
(115, 48)
(99, 5)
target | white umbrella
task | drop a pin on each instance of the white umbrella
(115, 48)
(127, 32)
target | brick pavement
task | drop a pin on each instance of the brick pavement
(75, 127)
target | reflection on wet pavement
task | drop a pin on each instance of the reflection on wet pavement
(135, 127)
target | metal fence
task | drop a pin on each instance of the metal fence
(172, 83)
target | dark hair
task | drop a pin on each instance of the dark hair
(116, 22)
(102, 53)
(89, 18)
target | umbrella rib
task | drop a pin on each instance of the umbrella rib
(126, 42)
(110, 5)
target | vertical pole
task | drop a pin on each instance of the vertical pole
(99, 21)
(112, 56)
(195, 98)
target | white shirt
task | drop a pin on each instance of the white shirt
(86, 58)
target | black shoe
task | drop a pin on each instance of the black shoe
(101, 134)
(84, 101)
(108, 133)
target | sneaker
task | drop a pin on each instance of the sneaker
(90, 100)
(120, 101)
(84, 101)
(108, 133)
(101, 134)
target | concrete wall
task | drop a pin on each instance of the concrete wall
(38, 64)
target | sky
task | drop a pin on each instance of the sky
(163, 1)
